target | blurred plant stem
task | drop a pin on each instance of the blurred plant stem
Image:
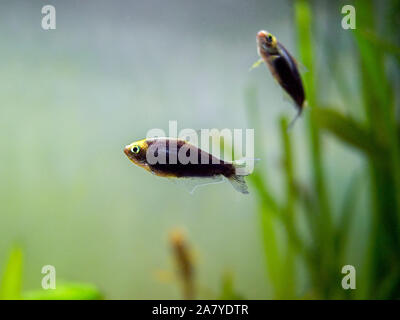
(324, 238)
(184, 263)
(377, 140)
(289, 207)
(378, 99)
(11, 282)
(280, 260)
(267, 208)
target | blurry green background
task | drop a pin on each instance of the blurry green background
(72, 98)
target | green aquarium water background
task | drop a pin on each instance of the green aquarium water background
(324, 194)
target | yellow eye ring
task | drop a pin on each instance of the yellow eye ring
(135, 149)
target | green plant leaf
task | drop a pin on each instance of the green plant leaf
(350, 132)
(379, 103)
(305, 35)
(347, 213)
(227, 290)
(67, 291)
(268, 208)
(12, 277)
(380, 43)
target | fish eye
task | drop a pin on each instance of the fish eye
(135, 149)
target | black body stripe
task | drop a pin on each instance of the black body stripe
(289, 76)
(179, 169)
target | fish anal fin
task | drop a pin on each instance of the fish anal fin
(192, 183)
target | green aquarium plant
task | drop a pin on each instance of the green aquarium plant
(323, 251)
(11, 285)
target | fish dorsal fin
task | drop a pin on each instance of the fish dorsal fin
(288, 57)
(301, 67)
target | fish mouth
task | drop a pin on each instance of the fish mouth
(127, 150)
(262, 44)
(261, 34)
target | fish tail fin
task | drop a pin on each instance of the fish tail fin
(241, 170)
(298, 115)
(238, 183)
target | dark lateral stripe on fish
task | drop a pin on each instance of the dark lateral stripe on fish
(213, 167)
(289, 77)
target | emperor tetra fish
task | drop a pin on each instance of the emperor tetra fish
(282, 66)
(176, 158)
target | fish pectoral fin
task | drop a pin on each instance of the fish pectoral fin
(191, 184)
(275, 56)
(256, 64)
